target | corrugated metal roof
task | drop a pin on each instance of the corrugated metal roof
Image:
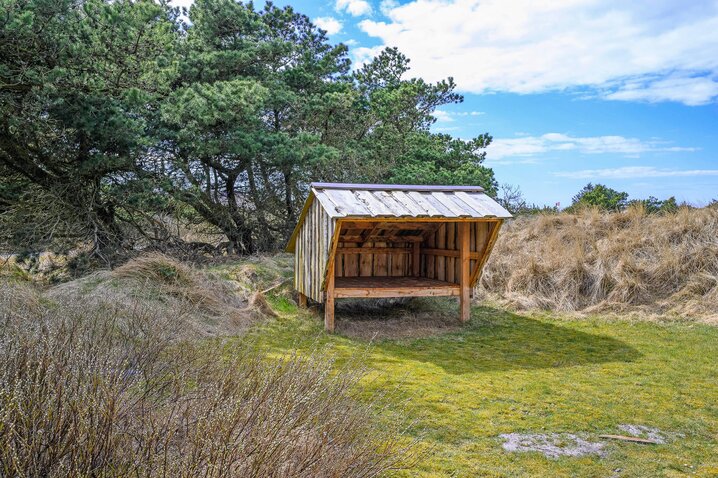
(396, 200)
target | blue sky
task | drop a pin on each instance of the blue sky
(573, 91)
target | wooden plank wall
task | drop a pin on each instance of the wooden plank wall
(400, 264)
(375, 265)
(311, 256)
(446, 237)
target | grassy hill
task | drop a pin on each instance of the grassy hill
(649, 265)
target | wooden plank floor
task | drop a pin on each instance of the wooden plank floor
(393, 287)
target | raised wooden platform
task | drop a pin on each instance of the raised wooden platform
(381, 287)
(410, 283)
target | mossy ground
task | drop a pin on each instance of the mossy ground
(505, 373)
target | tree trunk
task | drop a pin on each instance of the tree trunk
(288, 203)
(107, 236)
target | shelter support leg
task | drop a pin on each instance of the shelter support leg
(329, 303)
(302, 300)
(329, 314)
(465, 278)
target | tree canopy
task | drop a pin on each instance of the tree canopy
(600, 196)
(118, 113)
(608, 199)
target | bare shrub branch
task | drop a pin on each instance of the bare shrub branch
(99, 390)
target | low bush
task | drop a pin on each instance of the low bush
(97, 389)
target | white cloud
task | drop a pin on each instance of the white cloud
(330, 24)
(631, 172)
(386, 6)
(363, 55)
(181, 3)
(647, 50)
(443, 116)
(353, 7)
(689, 90)
(503, 148)
(448, 116)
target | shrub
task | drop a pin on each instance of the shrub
(91, 389)
(599, 196)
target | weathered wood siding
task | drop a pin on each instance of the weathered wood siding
(311, 257)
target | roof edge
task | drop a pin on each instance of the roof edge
(396, 187)
(293, 238)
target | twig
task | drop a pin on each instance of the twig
(278, 284)
(631, 439)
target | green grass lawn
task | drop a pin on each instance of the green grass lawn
(509, 373)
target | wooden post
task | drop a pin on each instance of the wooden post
(464, 268)
(329, 302)
(302, 300)
(416, 259)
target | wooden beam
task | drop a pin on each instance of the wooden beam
(448, 253)
(332, 254)
(302, 300)
(465, 277)
(391, 238)
(431, 291)
(329, 302)
(406, 239)
(494, 234)
(373, 250)
(293, 238)
(416, 260)
(432, 228)
(371, 232)
(409, 226)
(433, 219)
(350, 224)
(346, 238)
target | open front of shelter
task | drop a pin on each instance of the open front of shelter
(374, 241)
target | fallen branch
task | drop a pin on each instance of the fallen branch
(278, 284)
(630, 439)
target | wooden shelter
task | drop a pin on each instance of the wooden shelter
(377, 240)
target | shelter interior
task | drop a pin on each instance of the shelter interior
(408, 257)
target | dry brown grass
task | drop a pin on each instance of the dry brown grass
(177, 279)
(97, 387)
(216, 306)
(597, 262)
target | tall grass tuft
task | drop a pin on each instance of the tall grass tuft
(594, 261)
(92, 389)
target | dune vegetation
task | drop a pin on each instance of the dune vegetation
(130, 373)
(651, 265)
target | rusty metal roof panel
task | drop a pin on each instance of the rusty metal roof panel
(393, 200)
